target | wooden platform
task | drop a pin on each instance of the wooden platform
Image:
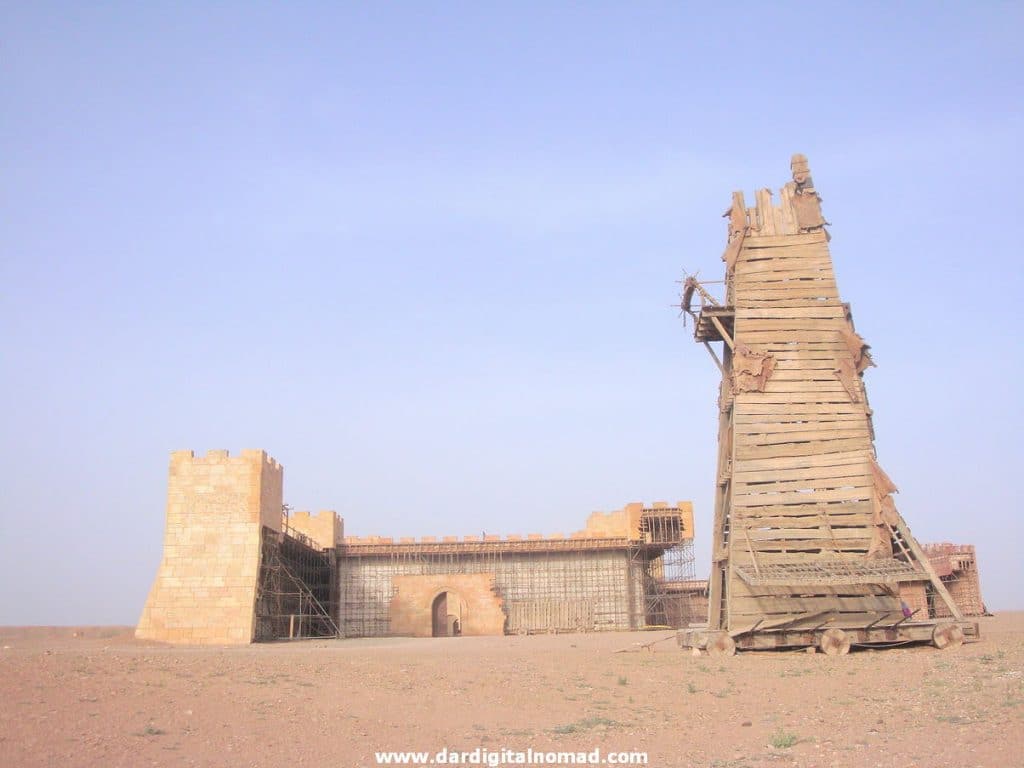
(716, 642)
(830, 573)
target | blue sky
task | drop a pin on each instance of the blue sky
(426, 257)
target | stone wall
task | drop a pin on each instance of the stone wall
(626, 522)
(205, 587)
(472, 599)
(324, 530)
(606, 581)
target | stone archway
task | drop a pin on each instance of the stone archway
(439, 615)
(446, 614)
(470, 599)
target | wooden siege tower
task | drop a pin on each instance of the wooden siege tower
(808, 547)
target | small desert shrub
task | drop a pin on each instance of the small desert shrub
(782, 739)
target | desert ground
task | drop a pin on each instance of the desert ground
(97, 697)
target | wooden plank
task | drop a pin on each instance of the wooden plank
(769, 423)
(745, 440)
(766, 482)
(868, 606)
(741, 557)
(793, 302)
(773, 606)
(807, 251)
(802, 385)
(809, 590)
(764, 591)
(769, 271)
(853, 480)
(756, 287)
(773, 336)
(797, 357)
(813, 366)
(791, 351)
(758, 427)
(792, 265)
(797, 350)
(742, 476)
(861, 521)
(829, 311)
(794, 497)
(811, 448)
(788, 225)
(760, 241)
(790, 293)
(748, 412)
(802, 388)
(750, 282)
(791, 256)
(756, 291)
(765, 215)
(796, 399)
(760, 269)
(823, 511)
(824, 374)
(857, 455)
(789, 298)
(793, 324)
(817, 534)
(798, 431)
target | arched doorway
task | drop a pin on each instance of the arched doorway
(439, 612)
(446, 615)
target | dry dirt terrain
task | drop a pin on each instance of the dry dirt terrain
(103, 699)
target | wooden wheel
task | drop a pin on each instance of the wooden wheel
(947, 636)
(720, 644)
(834, 642)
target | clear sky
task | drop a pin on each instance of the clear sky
(426, 257)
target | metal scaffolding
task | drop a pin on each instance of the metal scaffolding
(546, 585)
(297, 590)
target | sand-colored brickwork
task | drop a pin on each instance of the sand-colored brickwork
(915, 595)
(205, 588)
(324, 530)
(470, 598)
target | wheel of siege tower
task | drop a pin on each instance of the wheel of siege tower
(834, 642)
(720, 644)
(947, 636)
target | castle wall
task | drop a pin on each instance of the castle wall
(205, 587)
(603, 588)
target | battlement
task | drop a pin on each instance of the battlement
(217, 456)
(324, 530)
(658, 523)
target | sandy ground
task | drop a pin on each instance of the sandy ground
(103, 699)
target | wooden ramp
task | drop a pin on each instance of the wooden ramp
(806, 534)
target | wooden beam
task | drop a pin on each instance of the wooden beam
(721, 329)
(714, 356)
(921, 557)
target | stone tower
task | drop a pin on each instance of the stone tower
(205, 588)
